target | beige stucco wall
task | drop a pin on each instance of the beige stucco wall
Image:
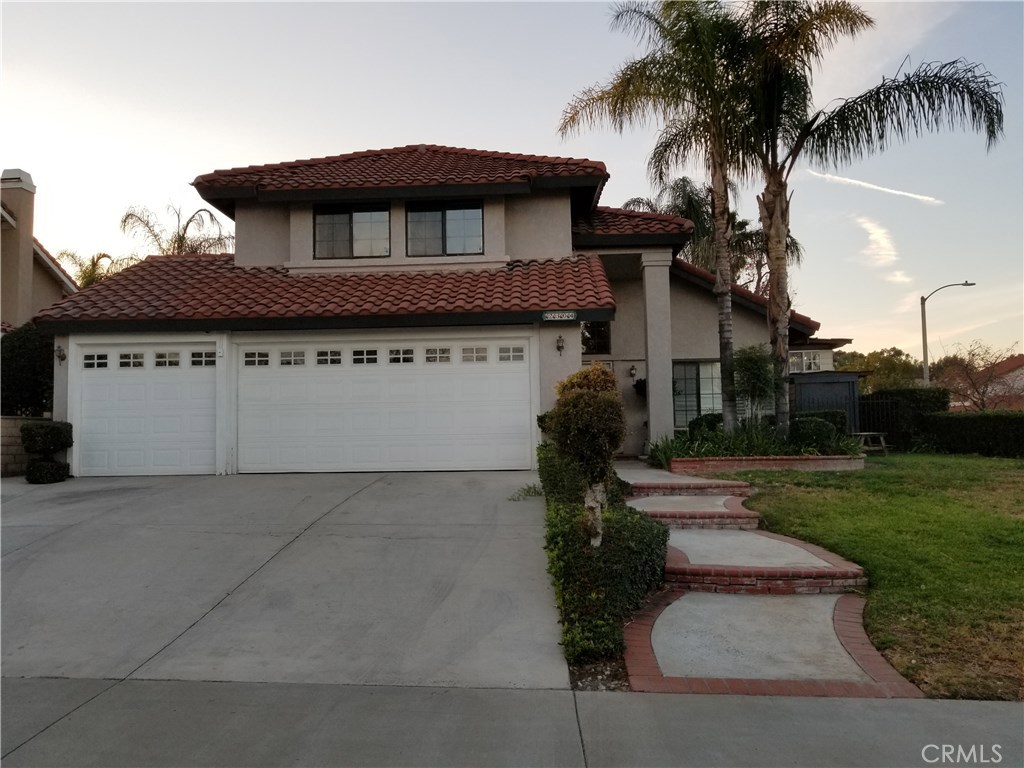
(538, 226)
(261, 234)
(60, 378)
(555, 366)
(695, 323)
(16, 261)
(45, 288)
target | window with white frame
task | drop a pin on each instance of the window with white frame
(167, 359)
(474, 354)
(438, 354)
(292, 357)
(514, 354)
(95, 360)
(364, 357)
(131, 360)
(804, 362)
(403, 355)
(204, 359)
(328, 357)
(256, 359)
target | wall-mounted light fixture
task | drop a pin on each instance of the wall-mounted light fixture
(60, 354)
(632, 371)
(559, 345)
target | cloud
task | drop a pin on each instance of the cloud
(866, 185)
(899, 276)
(880, 249)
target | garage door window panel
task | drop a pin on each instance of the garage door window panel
(167, 359)
(328, 357)
(474, 354)
(131, 360)
(204, 359)
(364, 357)
(94, 360)
(256, 359)
(401, 355)
(292, 358)
(438, 355)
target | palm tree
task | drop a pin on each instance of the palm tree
(687, 76)
(199, 233)
(691, 200)
(89, 271)
(788, 40)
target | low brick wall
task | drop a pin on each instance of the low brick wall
(12, 456)
(715, 464)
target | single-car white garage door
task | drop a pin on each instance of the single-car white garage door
(351, 405)
(147, 409)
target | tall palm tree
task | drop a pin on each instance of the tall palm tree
(686, 76)
(788, 41)
(200, 232)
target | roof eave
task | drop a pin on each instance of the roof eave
(590, 240)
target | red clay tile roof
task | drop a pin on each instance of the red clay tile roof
(1008, 365)
(619, 221)
(802, 322)
(415, 165)
(211, 290)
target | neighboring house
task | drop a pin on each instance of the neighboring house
(814, 355)
(399, 309)
(997, 387)
(30, 278)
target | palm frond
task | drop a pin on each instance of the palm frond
(955, 94)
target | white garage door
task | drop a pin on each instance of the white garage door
(147, 410)
(384, 405)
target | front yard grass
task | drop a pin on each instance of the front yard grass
(942, 541)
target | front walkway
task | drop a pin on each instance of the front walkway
(747, 611)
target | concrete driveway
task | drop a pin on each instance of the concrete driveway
(368, 579)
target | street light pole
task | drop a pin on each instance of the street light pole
(924, 327)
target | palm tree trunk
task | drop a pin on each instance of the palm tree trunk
(723, 290)
(773, 205)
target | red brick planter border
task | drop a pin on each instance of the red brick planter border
(734, 516)
(714, 464)
(886, 683)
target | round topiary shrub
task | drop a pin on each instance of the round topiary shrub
(709, 422)
(588, 426)
(813, 434)
(594, 378)
(46, 437)
(42, 471)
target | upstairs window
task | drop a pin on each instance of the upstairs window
(352, 233)
(445, 229)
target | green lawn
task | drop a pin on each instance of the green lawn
(942, 541)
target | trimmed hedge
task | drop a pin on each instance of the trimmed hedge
(43, 471)
(46, 437)
(811, 433)
(989, 433)
(903, 418)
(836, 418)
(26, 372)
(588, 426)
(597, 588)
(918, 399)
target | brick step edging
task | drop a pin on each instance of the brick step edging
(709, 488)
(645, 675)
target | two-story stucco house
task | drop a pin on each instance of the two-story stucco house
(407, 308)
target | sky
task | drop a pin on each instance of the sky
(115, 105)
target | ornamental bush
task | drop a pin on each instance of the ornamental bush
(594, 378)
(588, 426)
(597, 588)
(46, 438)
(836, 418)
(43, 471)
(812, 434)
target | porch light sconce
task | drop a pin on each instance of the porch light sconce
(60, 354)
(632, 371)
(559, 345)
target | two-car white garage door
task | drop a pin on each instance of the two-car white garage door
(328, 404)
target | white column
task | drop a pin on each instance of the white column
(658, 337)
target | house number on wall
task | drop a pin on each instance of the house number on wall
(549, 317)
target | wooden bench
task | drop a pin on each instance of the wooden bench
(872, 442)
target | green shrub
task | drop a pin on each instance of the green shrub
(588, 426)
(563, 482)
(26, 372)
(989, 433)
(42, 471)
(836, 418)
(709, 422)
(903, 424)
(811, 434)
(597, 588)
(918, 399)
(759, 438)
(594, 378)
(661, 453)
(46, 438)
(544, 422)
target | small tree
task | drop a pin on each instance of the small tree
(974, 375)
(588, 424)
(890, 368)
(755, 377)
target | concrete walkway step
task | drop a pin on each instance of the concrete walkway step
(756, 563)
(706, 511)
(648, 481)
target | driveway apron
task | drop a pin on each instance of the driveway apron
(420, 579)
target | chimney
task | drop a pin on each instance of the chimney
(17, 192)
